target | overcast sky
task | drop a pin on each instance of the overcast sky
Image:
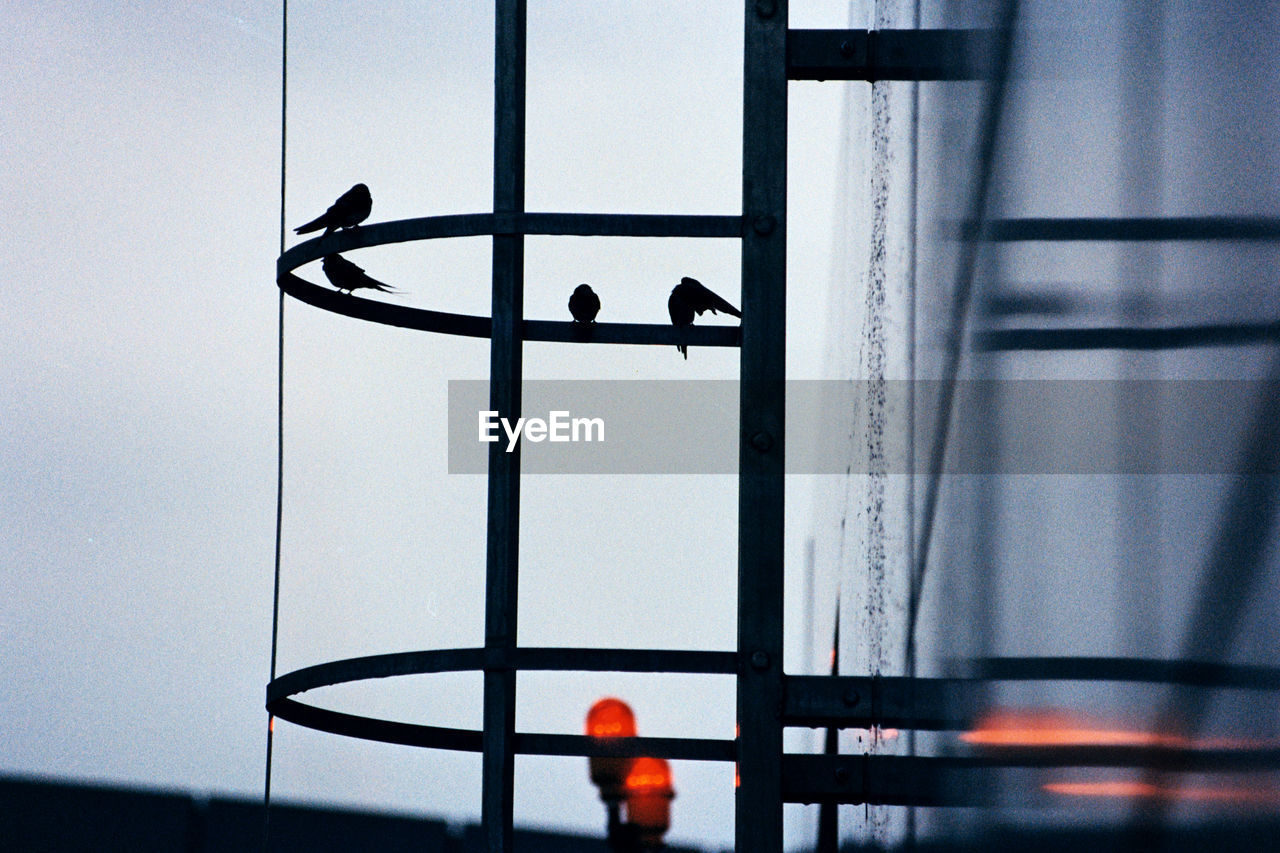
(138, 372)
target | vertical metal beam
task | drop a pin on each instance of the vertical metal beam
(760, 478)
(505, 370)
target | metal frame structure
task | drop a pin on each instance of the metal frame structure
(767, 699)
(761, 227)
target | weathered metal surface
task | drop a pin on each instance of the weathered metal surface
(762, 427)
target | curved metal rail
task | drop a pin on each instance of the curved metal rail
(281, 703)
(488, 224)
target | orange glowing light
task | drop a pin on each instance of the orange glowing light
(611, 717)
(649, 774)
(1047, 727)
(1115, 788)
(1128, 789)
(649, 795)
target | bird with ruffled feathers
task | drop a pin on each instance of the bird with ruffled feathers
(691, 297)
(584, 305)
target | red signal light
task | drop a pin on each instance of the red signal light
(649, 795)
(610, 718)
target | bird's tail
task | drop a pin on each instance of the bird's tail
(314, 225)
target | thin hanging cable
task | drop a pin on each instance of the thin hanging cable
(275, 598)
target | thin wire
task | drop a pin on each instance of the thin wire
(275, 599)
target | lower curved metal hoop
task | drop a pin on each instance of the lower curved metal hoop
(281, 704)
(281, 691)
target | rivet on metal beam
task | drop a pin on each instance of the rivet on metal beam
(762, 441)
(766, 8)
(846, 49)
(851, 697)
(764, 225)
(760, 660)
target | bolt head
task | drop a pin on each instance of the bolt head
(766, 8)
(760, 660)
(764, 225)
(762, 441)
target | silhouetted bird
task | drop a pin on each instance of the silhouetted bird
(584, 305)
(347, 276)
(351, 208)
(690, 297)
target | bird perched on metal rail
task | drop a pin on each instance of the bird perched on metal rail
(351, 208)
(345, 275)
(584, 305)
(691, 297)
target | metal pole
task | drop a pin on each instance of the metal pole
(760, 483)
(501, 579)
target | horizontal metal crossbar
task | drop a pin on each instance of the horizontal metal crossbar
(889, 54)
(691, 749)
(626, 660)
(853, 701)
(1133, 229)
(1128, 338)
(469, 325)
